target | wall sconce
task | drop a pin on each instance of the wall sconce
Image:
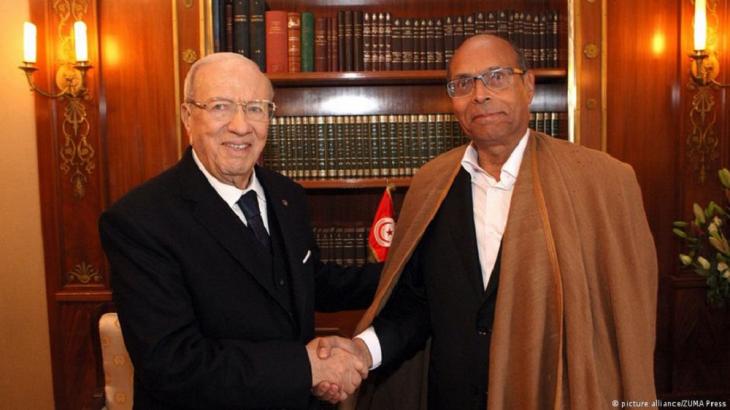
(705, 66)
(76, 152)
(70, 79)
(703, 140)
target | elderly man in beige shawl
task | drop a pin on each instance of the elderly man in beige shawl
(526, 260)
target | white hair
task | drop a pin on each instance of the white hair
(218, 58)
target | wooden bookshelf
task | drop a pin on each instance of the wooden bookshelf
(353, 183)
(366, 78)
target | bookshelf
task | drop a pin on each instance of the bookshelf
(338, 200)
(365, 78)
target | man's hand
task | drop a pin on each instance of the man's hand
(355, 346)
(337, 376)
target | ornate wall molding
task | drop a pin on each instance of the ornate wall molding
(77, 154)
(84, 273)
(703, 140)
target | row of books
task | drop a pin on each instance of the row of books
(353, 40)
(358, 146)
(551, 123)
(368, 146)
(343, 244)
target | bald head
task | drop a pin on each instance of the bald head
(492, 43)
(223, 59)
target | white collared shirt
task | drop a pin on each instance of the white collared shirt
(231, 194)
(490, 202)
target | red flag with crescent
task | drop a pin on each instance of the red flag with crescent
(381, 231)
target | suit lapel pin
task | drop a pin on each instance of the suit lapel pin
(285, 202)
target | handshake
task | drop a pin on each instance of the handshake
(339, 365)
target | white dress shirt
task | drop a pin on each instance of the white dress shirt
(490, 202)
(231, 194)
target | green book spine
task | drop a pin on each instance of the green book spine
(307, 41)
(241, 28)
(413, 147)
(432, 136)
(393, 137)
(321, 148)
(351, 144)
(258, 33)
(384, 146)
(271, 151)
(374, 147)
(440, 136)
(331, 148)
(341, 150)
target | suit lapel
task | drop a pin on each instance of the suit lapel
(463, 234)
(278, 203)
(222, 223)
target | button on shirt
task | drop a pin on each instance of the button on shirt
(231, 194)
(490, 202)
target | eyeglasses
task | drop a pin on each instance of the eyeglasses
(496, 79)
(224, 110)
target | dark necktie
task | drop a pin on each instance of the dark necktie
(250, 206)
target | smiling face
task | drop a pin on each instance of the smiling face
(228, 150)
(491, 117)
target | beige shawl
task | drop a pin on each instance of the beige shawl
(574, 325)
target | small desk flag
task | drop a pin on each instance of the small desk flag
(381, 231)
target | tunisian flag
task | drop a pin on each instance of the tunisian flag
(381, 231)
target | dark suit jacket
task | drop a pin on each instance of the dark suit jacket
(441, 295)
(200, 318)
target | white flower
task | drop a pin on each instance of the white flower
(703, 262)
(699, 214)
(712, 228)
(717, 221)
(726, 275)
(722, 267)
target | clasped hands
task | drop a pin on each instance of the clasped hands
(339, 365)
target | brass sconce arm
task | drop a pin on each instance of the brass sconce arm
(70, 79)
(704, 70)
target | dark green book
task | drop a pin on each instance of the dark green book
(307, 41)
(241, 28)
(258, 33)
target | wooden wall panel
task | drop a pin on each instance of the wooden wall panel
(647, 126)
(90, 152)
(139, 91)
(700, 354)
(642, 123)
(700, 342)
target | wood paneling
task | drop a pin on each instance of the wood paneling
(137, 68)
(647, 126)
(700, 342)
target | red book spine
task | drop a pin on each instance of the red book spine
(276, 41)
(294, 42)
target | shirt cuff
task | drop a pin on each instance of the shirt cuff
(373, 343)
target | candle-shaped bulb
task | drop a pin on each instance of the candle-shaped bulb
(700, 34)
(82, 50)
(29, 43)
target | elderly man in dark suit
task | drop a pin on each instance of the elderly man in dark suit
(215, 272)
